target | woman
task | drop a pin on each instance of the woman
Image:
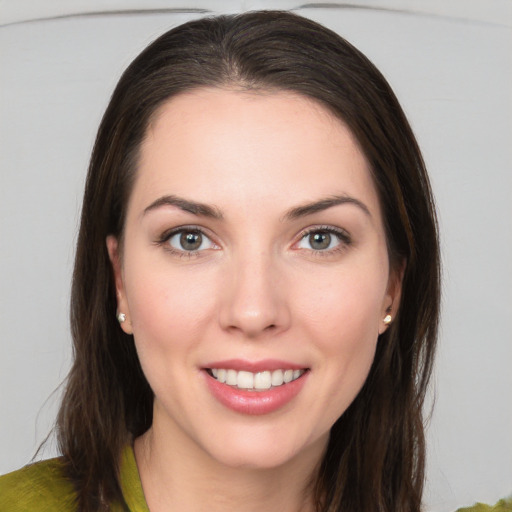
(256, 289)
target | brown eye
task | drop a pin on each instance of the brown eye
(320, 240)
(189, 240)
(324, 239)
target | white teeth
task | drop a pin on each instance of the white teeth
(231, 377)
(262, 380)
(277, 378)
(245, 380)
(255, 381)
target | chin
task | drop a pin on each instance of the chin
(265, 451)
(254, 460)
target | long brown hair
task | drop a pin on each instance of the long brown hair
(375, 457)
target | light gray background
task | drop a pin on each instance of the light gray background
(450, 63)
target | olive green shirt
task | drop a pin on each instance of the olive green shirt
(41, 487)
(501, 506)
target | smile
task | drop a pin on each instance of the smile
(259, 381)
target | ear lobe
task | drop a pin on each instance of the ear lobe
(391, 301)
(122, 304)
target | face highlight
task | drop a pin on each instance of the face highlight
(254, 274)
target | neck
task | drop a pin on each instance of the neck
(179, 476)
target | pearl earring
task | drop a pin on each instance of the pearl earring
(121, 317)
(387, 319)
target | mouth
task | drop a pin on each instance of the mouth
(255, 387)
(255, 381)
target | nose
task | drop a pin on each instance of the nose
(254, 298)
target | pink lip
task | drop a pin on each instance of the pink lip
(254, 402)
(254, 366)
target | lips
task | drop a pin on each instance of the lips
(255, 387)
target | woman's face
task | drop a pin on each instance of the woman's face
(254, 274)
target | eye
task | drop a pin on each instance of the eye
(323, 239)
(189, 240)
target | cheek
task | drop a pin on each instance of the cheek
(342, 321)
(346, 335)
(168, 326)
(346, 310)
(169, 308)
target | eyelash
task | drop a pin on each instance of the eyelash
(167, 236)
(342, 236)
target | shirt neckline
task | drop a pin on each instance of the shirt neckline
(131, 485)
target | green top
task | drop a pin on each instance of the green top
(501, 506)
(42, 487)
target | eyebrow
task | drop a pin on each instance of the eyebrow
(205, 210)
(201, 209)
(324, 204)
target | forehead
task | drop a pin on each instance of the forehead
(237, 146)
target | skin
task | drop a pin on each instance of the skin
(257, 289)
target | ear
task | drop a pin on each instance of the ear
(122, 303)
(391, 300)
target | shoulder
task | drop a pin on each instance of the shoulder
(40, 487)
(501, 506)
